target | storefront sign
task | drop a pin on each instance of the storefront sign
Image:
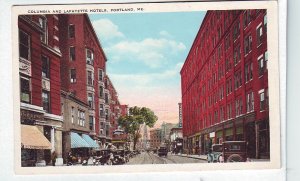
(212, 134)
(30, 117)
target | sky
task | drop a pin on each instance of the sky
(145, 54)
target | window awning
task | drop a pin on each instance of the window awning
(78, 142)
(90, 141)
(33, 138)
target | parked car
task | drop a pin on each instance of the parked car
(234, 151)
(104, 157)
(162, 151)
(215, 155)
(228, 151)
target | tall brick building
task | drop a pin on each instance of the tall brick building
(39, 68)
(225, 83)
(68, 103)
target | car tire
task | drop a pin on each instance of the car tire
(234, 158)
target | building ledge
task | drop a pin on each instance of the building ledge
(31, 107)
(53, 117)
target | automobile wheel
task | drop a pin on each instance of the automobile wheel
(234, 158)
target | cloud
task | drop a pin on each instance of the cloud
(106, 29)
(150, 51)
(165, 34)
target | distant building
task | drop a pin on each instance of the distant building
(155, 138)
(176, 140)
(165, 131)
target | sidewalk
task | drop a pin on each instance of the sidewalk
(204, 157)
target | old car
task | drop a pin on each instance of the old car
(215, 154)
(234, 151)
(162, 151)
(103, 157)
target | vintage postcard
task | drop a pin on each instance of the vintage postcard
(135, 87)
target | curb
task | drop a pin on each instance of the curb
(192, 157)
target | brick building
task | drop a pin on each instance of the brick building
(224, 83)
(83, 70)
(39, 62)
(155, 138)
(68, 102)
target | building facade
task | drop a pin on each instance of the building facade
(39, 62)
(224, 83)
(83, 70)
(68, 103)
(155, 138)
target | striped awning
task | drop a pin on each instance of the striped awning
(90, 141)
(33, 138)
(78, 142)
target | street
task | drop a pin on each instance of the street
(150, 158)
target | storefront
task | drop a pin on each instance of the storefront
(33, 145)
(82, 146)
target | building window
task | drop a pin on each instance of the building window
(25, 90)
(229, 111)
(100, 74)
(237, 79)
(261, 99)
(219, 33)
(46, 101)
(236, 30)
(72, 115)
(261, 65)
(259, 34)
(45, 67)
(227, 42)
(265, 23)
(24, 45)
(81, 118)
(101, 91)
(72, 53)
(89, 57)
(246, 18)
(238, 107)
(228, 86)
(228, 64)
(102, 110)
(91, 119)
(266, 59)
(220, 51)
(43, 24)
(106, 98)
(90, 78)
(71, 31)
(248, 44)
(91, 100)
(248, 71)
(106, 114)
(73, 75)
(250, 102)
(237, 54)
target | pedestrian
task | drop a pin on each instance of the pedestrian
(53, 158)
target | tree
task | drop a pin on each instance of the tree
(135, 119)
